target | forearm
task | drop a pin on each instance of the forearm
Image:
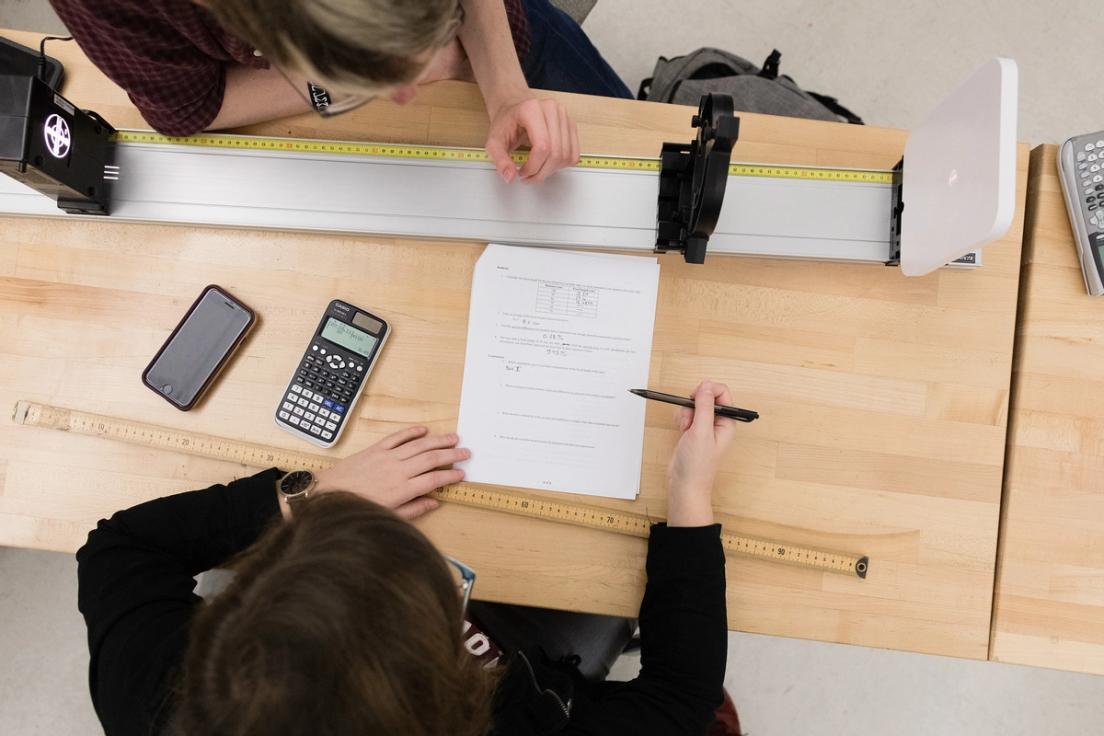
(256, 95)
(183, 534)
(489, 45)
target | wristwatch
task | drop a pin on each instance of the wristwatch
(296, 485)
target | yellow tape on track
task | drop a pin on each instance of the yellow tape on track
(453, 153)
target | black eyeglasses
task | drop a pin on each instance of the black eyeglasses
(320, 100)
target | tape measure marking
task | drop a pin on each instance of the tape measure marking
(454, 153)
(32, 414)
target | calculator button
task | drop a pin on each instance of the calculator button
(1089, 147)
(315, 430)
(1097, 179)
(327, 435)
(302, 401)
(339, 408)
(342, 382)
(1080, 155)
(319, 398)
(327, 403)
(360, 369)
(288, 405)
(314, 348)
(1092, 207)
(309, 416)
(294, 420)
(331, 425)
(298, 411)
(312, 406)
(1100, 144)
(284, 415)
(323, 350)
(296, 389)
(324, 413)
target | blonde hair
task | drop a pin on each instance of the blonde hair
(357, 46)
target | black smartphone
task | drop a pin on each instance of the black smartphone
(199, 347)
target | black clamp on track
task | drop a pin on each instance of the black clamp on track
(692, 180)
(896, 214)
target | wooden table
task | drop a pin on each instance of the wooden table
(1050, 588)
(884, 399)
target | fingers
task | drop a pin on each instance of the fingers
(427, 482)
(413, 509)
(722, 394)
(575, 147)
(683, 417)
(401, 437)
(704, 402)
(436, 459)
(500, 156)
(425, 444)
(556, 156)
(531, 116)
(565, 136)
(724, 428)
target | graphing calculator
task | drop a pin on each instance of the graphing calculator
(331, 375)
(1081, 170)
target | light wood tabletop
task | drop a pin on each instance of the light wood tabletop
(883, 399)
(1049, 607)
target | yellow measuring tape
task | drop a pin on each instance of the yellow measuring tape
(521, 504)
(452, 153)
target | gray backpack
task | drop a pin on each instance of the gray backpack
(684, 79)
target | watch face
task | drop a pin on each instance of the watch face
(296, 482)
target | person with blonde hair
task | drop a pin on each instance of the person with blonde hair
(211, 64)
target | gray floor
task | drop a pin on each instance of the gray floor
(890, 62)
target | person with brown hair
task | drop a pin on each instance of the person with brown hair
(192, 65)
(343, 618)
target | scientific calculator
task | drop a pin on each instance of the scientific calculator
(332, 373)
(1081, 169)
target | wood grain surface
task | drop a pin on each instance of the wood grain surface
(883, 399)
(1049, 607)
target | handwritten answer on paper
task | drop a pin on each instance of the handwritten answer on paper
(555, 340)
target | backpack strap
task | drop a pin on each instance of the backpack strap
(770, 66)
(837, 109)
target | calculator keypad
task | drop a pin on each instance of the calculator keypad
(322, 392)
(1090, 174)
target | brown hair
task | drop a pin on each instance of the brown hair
(358, 46)
(344, 619)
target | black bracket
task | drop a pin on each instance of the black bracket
(692, 180)
(896, 213)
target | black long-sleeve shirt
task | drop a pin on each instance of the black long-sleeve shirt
(136, 591)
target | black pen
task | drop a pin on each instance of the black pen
(731, 412)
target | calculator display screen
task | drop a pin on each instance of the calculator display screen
(349, 337)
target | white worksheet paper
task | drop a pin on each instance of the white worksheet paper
(555, 341)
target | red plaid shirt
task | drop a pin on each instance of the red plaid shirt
(171, 56)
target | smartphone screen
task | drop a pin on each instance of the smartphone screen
(197, 348)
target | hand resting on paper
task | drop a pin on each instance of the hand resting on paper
(693, 467)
